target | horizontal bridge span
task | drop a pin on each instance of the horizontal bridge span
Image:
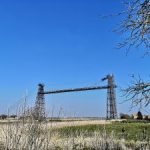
(78, 89)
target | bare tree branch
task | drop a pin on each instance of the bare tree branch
(136, 25)
(138, 92)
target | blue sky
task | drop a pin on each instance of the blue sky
(63, 44)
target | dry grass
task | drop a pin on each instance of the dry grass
(77, 123)
(36, 136)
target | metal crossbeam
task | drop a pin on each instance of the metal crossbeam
(77, 89)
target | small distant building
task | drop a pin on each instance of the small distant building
(134, 116)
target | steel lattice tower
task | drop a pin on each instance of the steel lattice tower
(111, 98)
(40, 104)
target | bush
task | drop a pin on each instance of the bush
(125, 116)
(13, 116)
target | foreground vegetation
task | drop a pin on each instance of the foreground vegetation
(34, 135)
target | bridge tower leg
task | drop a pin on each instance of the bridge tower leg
(40, 104)
(111, 98)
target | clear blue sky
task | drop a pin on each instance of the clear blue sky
(63, 43)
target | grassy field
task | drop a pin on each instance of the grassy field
(130, 131)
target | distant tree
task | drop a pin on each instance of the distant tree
(136, 24)
(139, 115)
(3, 116)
